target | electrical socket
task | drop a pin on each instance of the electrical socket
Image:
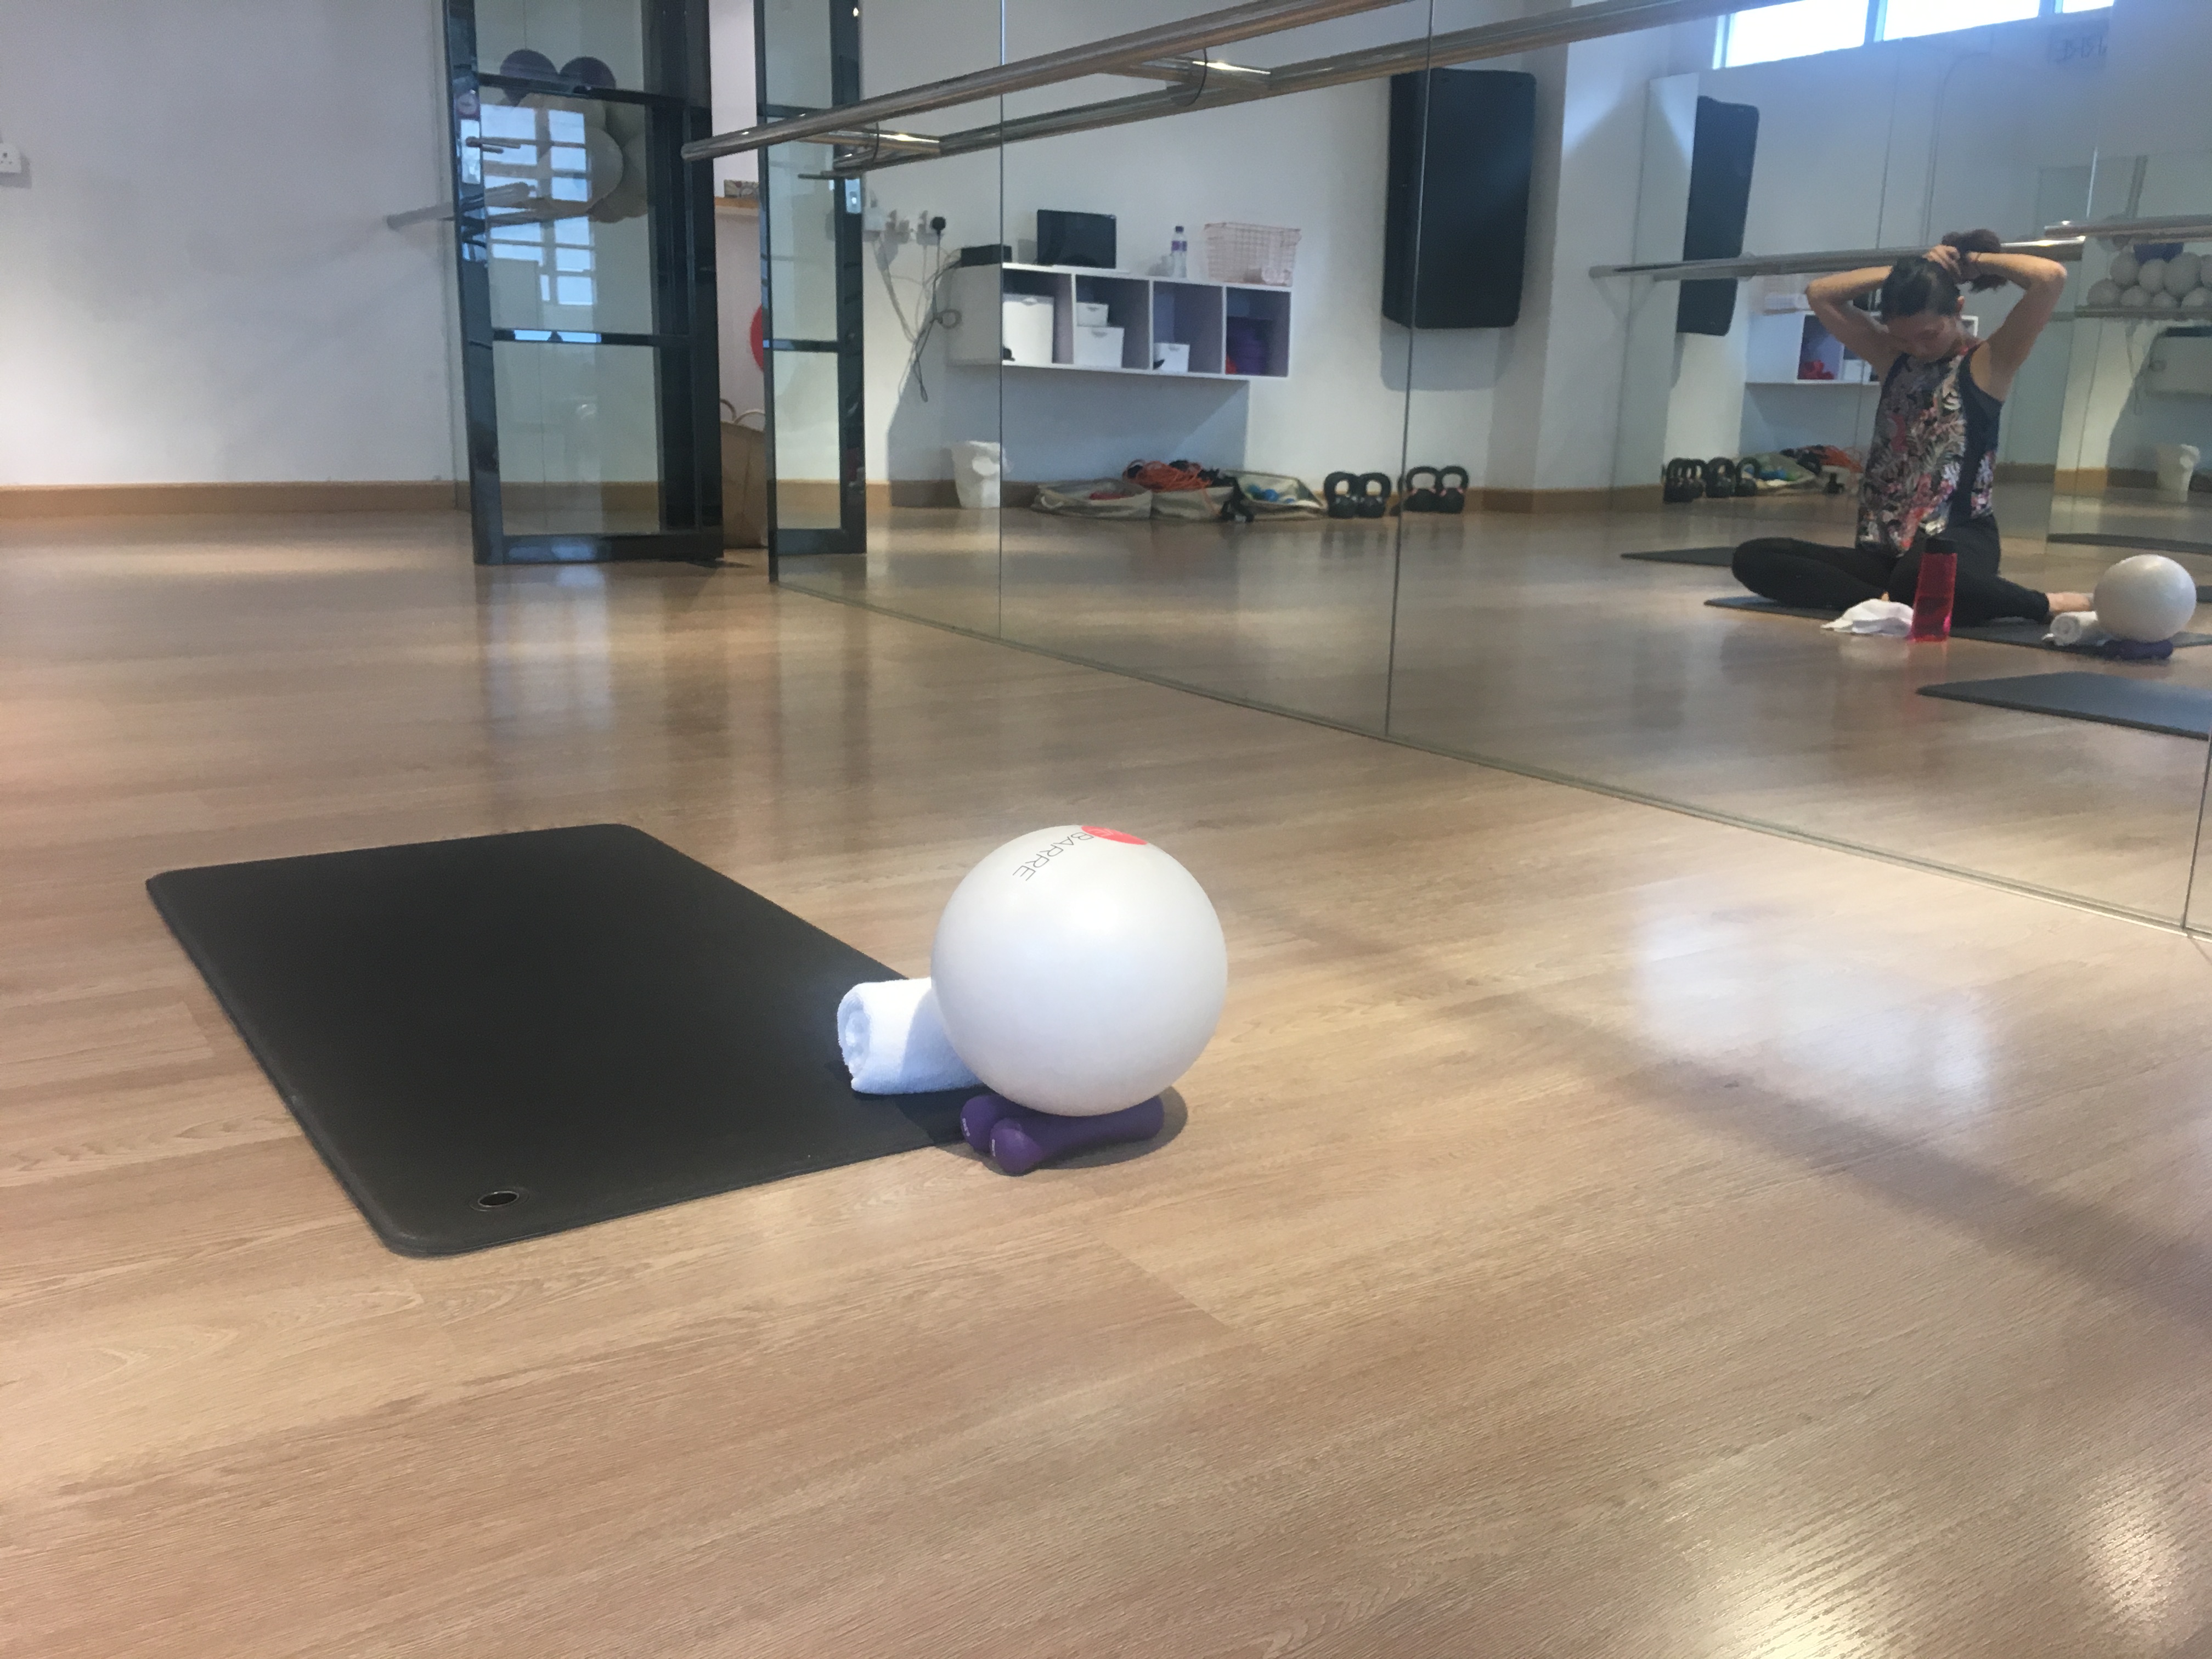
(11, 159)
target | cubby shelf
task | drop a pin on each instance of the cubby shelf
(1223, 324)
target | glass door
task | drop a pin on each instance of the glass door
(587, 278)
(809, 58)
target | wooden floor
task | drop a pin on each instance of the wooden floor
(1596, 1231)
(1530, 640)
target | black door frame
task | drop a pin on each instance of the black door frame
(681, 216)
(851, 535)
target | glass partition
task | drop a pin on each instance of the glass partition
(924, 377)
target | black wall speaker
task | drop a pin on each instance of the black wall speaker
(1720, 197)
(1455, 234)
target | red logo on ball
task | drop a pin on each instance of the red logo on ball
(1113, 835)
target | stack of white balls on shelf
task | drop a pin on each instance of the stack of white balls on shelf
(2177, 285)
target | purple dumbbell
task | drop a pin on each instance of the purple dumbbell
(1021, 1139)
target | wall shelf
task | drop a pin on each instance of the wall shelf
(1235, 330)
(2176, 318)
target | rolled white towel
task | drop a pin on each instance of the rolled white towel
(894, 1041)
(2076, 628)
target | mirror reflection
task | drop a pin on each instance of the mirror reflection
(1763, 416)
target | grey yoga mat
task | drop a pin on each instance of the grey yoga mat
(2182, 711)
(498, 1037)
(2148, 543)
(2013, 631)
(1714, 558)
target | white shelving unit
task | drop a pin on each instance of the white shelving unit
(1223, 324)
(1779, 343)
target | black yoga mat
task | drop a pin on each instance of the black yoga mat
(2148, 543)
(2013, 631)
(1717, 558)
(1768, 607)
(508, 1035)
(2184, 711)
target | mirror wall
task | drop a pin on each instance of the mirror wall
(1520, 625)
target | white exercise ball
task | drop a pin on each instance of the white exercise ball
(2135, 299)
(1079, 970)
(2150, 276)
(2164, 301)
(2184, 272)
(2103, 295)
(2125, 268)
(2147, 597)
(2197, 299)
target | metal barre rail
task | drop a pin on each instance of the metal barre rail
(2185, 228)
(1166, 40)
(1235, 86)
(2065, 249)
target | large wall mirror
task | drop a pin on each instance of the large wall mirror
(1343, 402)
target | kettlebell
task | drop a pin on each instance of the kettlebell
(1336, 494)
(1421, 497)
(1373, 499)
(1684, 480)
(1452, 497)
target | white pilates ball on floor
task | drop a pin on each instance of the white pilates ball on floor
(2135, 299)
(2197, 299)
(2147, 597)
(1079, 970)
(2150, 276)
(2126, 268)
(2163, 301)
(2103, 295)
(2184, 272)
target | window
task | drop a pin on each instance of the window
(1804, 27)
(1801, 27)
(1902, 18)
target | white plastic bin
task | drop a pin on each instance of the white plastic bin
(2177, 467)
(976, 468)
(1172, 356)
(1097, 347)
(1026, 327)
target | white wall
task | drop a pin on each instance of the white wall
(196, 281)
(1317, 161)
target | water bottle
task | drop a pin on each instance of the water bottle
(1933, 593)
(1179, 256)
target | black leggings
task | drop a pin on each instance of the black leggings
(1817, 578)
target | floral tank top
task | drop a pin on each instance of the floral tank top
(1933, 464)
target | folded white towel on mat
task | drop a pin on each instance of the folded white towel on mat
(894, 1043)
(2077, 628)
(1884, 616)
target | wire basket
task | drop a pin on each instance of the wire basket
(1251, 253)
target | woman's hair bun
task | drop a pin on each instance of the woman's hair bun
(1978, 241)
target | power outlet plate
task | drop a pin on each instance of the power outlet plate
(11, 159)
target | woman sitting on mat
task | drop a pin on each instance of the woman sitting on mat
(1933, 463)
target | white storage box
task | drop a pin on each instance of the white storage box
(1171, 357)
(1097, 347)
(1026, 327)
(2179, 363)
(1091, 314)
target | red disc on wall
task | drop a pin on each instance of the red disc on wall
(759, 335)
